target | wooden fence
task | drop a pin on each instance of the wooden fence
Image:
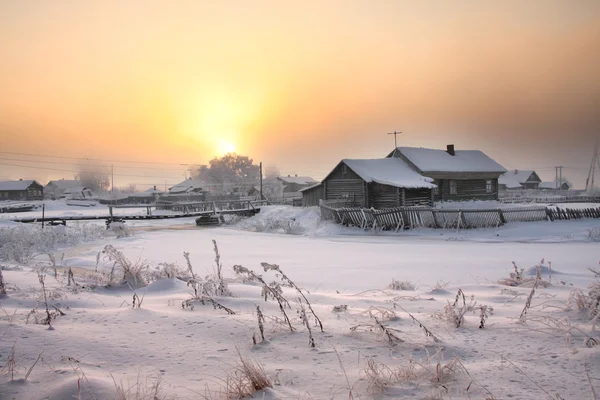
(427, 217)
(549, 199)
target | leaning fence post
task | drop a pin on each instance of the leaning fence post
(501, 215)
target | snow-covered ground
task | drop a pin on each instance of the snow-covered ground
(102, 342)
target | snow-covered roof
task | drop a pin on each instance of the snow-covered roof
(189, 185)
(301, 180)
(65, 183)
(153, 191)
(521, 175)
(551, 185)
(16, 185)
(75, 189)
(389, 171)
(434, 160)
(310, 187)
(509, 181)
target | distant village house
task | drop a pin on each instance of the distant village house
(519, 179)
(21, 190)
(295, 183)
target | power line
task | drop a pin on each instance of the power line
(90, 172)
(95, 159)
(86, 165)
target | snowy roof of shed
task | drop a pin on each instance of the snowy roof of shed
(65, 183)
(187, 186)
(389, 171)
(434, 160)
(551, 184)
(521, 175)
(16, 185)
(509, 181)
(301, 180)
(75, 189)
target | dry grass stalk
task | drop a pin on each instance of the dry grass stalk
(426, 330)
(267, 290)
(133, 272)
(556, 397)
(523, 316)
(289, 282)
(247, 378)
(304, 319)
(11, 364)
(2, 284)
(261, 327)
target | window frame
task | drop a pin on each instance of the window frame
(453, 187)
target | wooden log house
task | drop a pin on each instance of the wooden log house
(458, 174)
(378, 183)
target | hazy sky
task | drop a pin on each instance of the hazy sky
(297, 84)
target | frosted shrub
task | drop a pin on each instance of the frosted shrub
(594, 234)
(455, 312)
(133, 272)
(401, 285)
(22, 243)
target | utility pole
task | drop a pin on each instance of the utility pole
(589, 182)
(261, 176)
(112, 178)
(395, 141)
(558, 177)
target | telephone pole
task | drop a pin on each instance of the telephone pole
(558, 177)
(261, 176)
(112, 178)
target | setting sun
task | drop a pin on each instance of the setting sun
(224, 147)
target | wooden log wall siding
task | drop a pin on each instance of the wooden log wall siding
(425, 217)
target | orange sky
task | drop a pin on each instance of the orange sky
(298, 84)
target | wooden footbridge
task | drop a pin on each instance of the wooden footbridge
(206, 212)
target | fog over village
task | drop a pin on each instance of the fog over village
(322, 200)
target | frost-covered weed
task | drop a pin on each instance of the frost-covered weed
(401, 285)
(594, 234)
(23, 242)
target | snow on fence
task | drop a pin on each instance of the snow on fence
(427, 217)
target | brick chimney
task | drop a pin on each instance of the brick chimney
(450, 149)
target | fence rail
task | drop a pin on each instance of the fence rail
(549, 199)
(427, 217)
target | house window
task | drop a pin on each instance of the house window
(436, 189)
(488, 186)
(344, 169)
(453, 187)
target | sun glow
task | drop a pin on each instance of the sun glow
(225, 146)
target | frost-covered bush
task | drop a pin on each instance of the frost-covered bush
(23, 242)
(594, 234)
(401, 285)
(288, 226)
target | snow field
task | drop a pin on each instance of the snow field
(101, 339)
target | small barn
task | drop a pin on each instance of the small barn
(527, 179)
(554, 185)
(458, 174)
(21, 190)
(292, 184)
(378, 183)
(55, 189)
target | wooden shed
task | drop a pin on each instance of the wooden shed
(378, 183)
(458, 174)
